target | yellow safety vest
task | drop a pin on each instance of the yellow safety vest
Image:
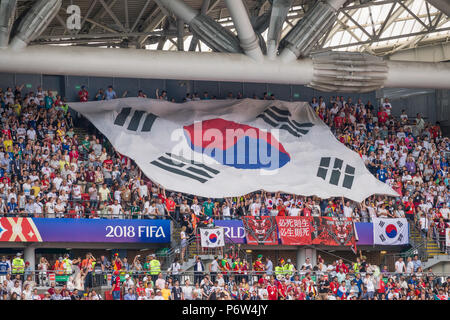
(278, 270)
(18, 265)
(67, 266)
(288, 269)
(155, 267)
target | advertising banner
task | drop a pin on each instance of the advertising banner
(365, 233)
(261, 230)
(84, 230)
(234, 230)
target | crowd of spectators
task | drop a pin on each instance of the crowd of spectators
(231, 278)
(47, 170)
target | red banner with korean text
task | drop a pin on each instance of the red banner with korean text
(260, 230)
(294, 231)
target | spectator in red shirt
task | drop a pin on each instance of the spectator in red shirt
(382, 116)
(341, 265)
(83, 94)
(272, 290)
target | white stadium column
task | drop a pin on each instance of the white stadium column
(29, 255)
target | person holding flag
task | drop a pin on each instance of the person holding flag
(117, 263)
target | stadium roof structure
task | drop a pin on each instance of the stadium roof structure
(365, 31)
(381, 27)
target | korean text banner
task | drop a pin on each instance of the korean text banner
(294, 230)
(261, 230)
(230, 148)
(309, 230)
(84, 230)
(234, 230)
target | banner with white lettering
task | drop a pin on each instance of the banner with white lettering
(212, 237)
(227, 148)
(390, 231)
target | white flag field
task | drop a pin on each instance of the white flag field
(227, 148)
(212, 237)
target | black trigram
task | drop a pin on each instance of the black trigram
(185, 168)
(382, 238)
(349, 176)
(280, 119)
(135, 121)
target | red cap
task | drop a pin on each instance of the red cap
(116, 272)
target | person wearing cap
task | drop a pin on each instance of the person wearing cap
(289, 269)
(279, 269)
(155, 267)
(258, 265)
(18, 265)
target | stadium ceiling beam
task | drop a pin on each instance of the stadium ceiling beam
(383, 26)
(431, 53)
(204, 11)
(358, 25)
(7, 16)
(112, 15)
(227, 67)
(154, 19)
(436, 24)
(127, 16)
(248, 40)
(337, 27)
(441, 5)
(415, 16)
(141, 13)
(384, 39)
(280, 10)
(367, 4)
(392, 18)
(88, 13)
(100, 14)
(368, 49)
(302, 38)
(93, 22)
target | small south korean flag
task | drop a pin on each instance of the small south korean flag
(212, 237)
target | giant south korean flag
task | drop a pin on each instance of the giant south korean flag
(233, 147)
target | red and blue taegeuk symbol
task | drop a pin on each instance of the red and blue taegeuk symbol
(246, 148)
(391, 231)
(213, 238)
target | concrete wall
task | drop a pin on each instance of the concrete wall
(69, 86)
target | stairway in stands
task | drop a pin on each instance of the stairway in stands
(430, 246)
